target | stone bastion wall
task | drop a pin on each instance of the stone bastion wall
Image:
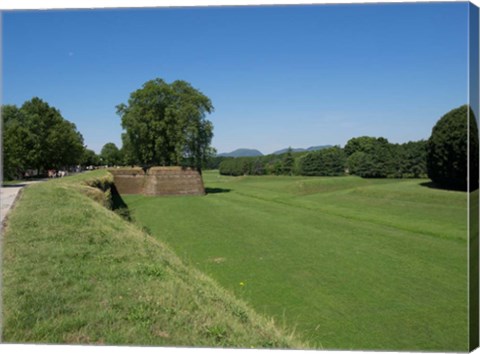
(158, 181)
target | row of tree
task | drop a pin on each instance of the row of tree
(363, 156)
(35, 136)
(110, 155)
(443, 158)
(164, 125)
(258, 165)
(377, 158)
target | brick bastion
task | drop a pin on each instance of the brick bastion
(173, 180)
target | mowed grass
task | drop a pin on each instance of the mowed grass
(349, 263)
(75, 272)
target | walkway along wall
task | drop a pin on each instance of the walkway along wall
(158, 181)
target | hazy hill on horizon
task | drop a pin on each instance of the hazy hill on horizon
(244, 152)
(241, 153)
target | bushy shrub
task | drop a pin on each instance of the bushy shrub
(447, 162)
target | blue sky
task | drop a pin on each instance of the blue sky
(278, 76)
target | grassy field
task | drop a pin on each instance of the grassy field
(75, 272)
(348, 263)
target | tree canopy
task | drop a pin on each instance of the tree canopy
(369, 157)
(36, 136)
(447, 149)
(90, 158)
(165, 124)
(110, 155)
(325, 162)
(288, 162)
(17, 142)
(366, 144)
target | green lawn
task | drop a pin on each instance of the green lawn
(75, 272)
(349, 263)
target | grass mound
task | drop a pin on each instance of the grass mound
(75, 272)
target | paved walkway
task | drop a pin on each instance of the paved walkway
(8, 195)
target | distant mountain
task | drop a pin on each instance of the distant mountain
(311, 148)
(241, 153)
(255, 152)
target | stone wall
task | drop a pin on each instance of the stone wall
(158, 181)
(128, 180)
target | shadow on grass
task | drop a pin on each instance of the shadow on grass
(434, 185)
(117, 200)
(15, 185)
(216, 190)
(118, 204)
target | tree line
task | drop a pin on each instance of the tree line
(165, 124)
(35, 136)
(442, 158)
(363, 156)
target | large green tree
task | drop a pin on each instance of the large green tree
(165, 124)
(36, 136)
(127, 153)
(370, 157)
(57, 143)
(17, 143)
(447, 151)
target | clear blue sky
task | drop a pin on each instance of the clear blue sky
(278, 76)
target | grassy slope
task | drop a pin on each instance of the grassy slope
(352, 263)
(75, 272)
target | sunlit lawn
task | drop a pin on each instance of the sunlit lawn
(350, 263)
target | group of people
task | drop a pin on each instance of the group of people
(55, 173)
